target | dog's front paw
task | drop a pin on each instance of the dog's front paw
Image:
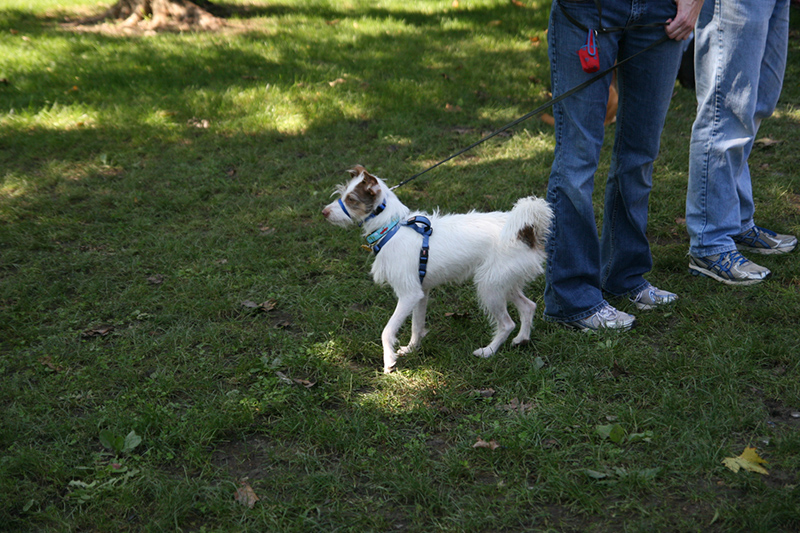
(485, 353)
(388, 369)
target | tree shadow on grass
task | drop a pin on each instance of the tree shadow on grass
(105, 102)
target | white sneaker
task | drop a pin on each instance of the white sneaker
(731, 268)
(764, 241)
(607, 317)
(651, 297)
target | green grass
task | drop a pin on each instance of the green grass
(119, 215)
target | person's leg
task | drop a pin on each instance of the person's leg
(770, 82)
(645, 84)
(572, 289)
(731, 37)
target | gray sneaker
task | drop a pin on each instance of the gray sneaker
(606, 317)
(731, 268)
(651, 297)
(763, 241)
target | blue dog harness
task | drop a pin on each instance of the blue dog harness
(378, 238)
(422, 226)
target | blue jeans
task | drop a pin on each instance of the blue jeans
(581, 265)
(740, 59)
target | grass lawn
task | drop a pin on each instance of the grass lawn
(178, 323)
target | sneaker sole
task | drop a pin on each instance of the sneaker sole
(765, 251)
(577, 327)
(697, 271)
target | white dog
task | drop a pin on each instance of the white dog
(501, 252)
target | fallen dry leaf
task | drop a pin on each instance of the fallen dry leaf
(48, 362)
(749, 460)
(337, 81)
(246, 495)
(99, 331)
(492, 444)
(451, 107)
(294, 381)
(516, 406)
(304, 382)
(547, 119)
(265, 307)
(766, 142)
(156, 279)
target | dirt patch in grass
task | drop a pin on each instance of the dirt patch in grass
(781, 414)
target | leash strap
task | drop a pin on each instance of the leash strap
(536, 111)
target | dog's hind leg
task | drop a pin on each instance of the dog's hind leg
(405, 305)
(526, 310)
(496, 306)
(418, 330)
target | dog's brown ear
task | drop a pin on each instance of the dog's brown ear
(371, 184)
(357, 170)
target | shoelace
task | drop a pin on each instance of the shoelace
(736, 258)
(728, 260)
(607, 312)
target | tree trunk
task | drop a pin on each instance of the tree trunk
(162, 14)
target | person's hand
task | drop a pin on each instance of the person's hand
(681, 27)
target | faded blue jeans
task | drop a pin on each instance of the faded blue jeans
(740, 59)
(581, 265)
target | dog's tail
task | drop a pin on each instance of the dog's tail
(529, 222)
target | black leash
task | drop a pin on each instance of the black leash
(536, 111)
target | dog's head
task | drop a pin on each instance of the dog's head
(357, 200)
